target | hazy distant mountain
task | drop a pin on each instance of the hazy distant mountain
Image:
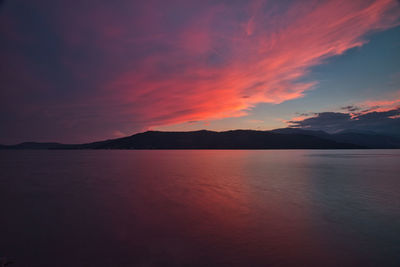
(361, 138)
(368, 140)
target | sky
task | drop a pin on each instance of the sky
(89, 70)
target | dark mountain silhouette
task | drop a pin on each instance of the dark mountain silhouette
(238, 139)
(286, 138)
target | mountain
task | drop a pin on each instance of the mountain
(236, 139)
(361, 138)
(321, 134)
(285, 138)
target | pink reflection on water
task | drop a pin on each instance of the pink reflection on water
(225, 207)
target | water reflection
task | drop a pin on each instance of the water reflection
(213, 208)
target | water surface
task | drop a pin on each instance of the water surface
(203, 207)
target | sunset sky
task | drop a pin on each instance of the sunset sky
(79, 71)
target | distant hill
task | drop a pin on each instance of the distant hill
(236, 139)
(35, 145)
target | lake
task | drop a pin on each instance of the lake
(200, 208)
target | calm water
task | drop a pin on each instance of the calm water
(205, 208)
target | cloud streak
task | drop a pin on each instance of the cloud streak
(134, 65)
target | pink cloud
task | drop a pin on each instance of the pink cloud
(258, 64)
(383, 104)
